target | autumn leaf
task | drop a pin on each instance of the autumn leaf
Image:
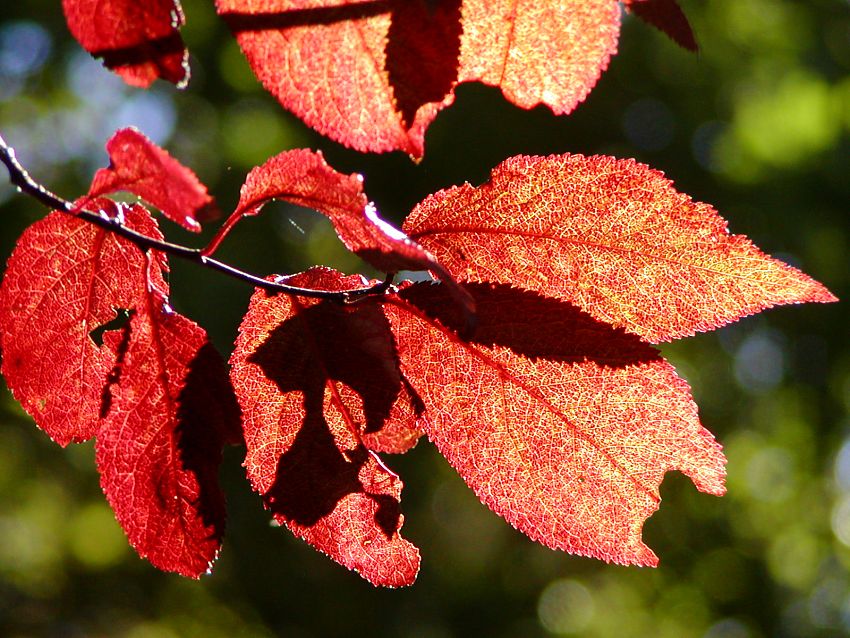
(611, 236)
(139, 166)
(327, 63)
(374, 74)
(558, 422)
(140, 41)
(170, 409)
(64, 281)
(302, 177)
(668, 17)
(538, 51)
(319, 386)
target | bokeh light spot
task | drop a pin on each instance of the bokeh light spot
(565, 607)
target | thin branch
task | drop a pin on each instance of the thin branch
(19, 177)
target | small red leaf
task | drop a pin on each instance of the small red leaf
(139, 166)
(170, 411)
(666, 16)
(66, 279)
(303, 177)
(140, 41)
(558, 422)
(611, 236)
(317, 383)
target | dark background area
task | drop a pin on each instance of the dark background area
(756, 124)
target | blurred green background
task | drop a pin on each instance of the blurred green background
(756, 124)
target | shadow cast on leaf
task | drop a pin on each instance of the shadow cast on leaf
(165, 53)
(531, 325)
(208, 418)
(346, 351)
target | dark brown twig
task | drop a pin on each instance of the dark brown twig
(19, 176)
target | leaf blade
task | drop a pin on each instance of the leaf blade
(140, 41)
(65, 279)
(141, 167)
(566, 438)
(612, 236)
(319, 388)
(159, 446)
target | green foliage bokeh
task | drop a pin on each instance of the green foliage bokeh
(757, 124)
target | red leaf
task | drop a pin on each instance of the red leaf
(315, 380)
(558, 422)
(302, 177)
(140, 41)
(538, 51)
(141, 167)
(170, 411)
(611, 236)
(374, 74)
(327, 63)
(666, 16)
(65, 279)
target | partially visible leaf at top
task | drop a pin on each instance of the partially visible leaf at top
(169, 411)
(667, 16)
(139, 166)
(139, 40)
(319, 385)
(373, 74)
(558, 422)
(539, 51)
(611, 236)
(331, 63)
(65, 280)
(303, 177)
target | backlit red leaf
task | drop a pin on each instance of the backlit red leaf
(539, 51)
(560, 423)
(139, 166)
(667, 16)
(303, 177)
(611, 236)
(66, 279)
(318, 382)
(138, 40)
(169, 411)
(373, 74)
(329, 63)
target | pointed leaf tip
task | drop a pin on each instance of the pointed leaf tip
(611, 236)
(666, 16)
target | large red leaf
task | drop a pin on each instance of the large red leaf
(65, 279)
(303, 177)
(139, 166)
(168, 412)
(140, 41)
(318, 382)
(328, 63)
(667, 16)
(560, 423)
(372, 74)
(612, 236)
